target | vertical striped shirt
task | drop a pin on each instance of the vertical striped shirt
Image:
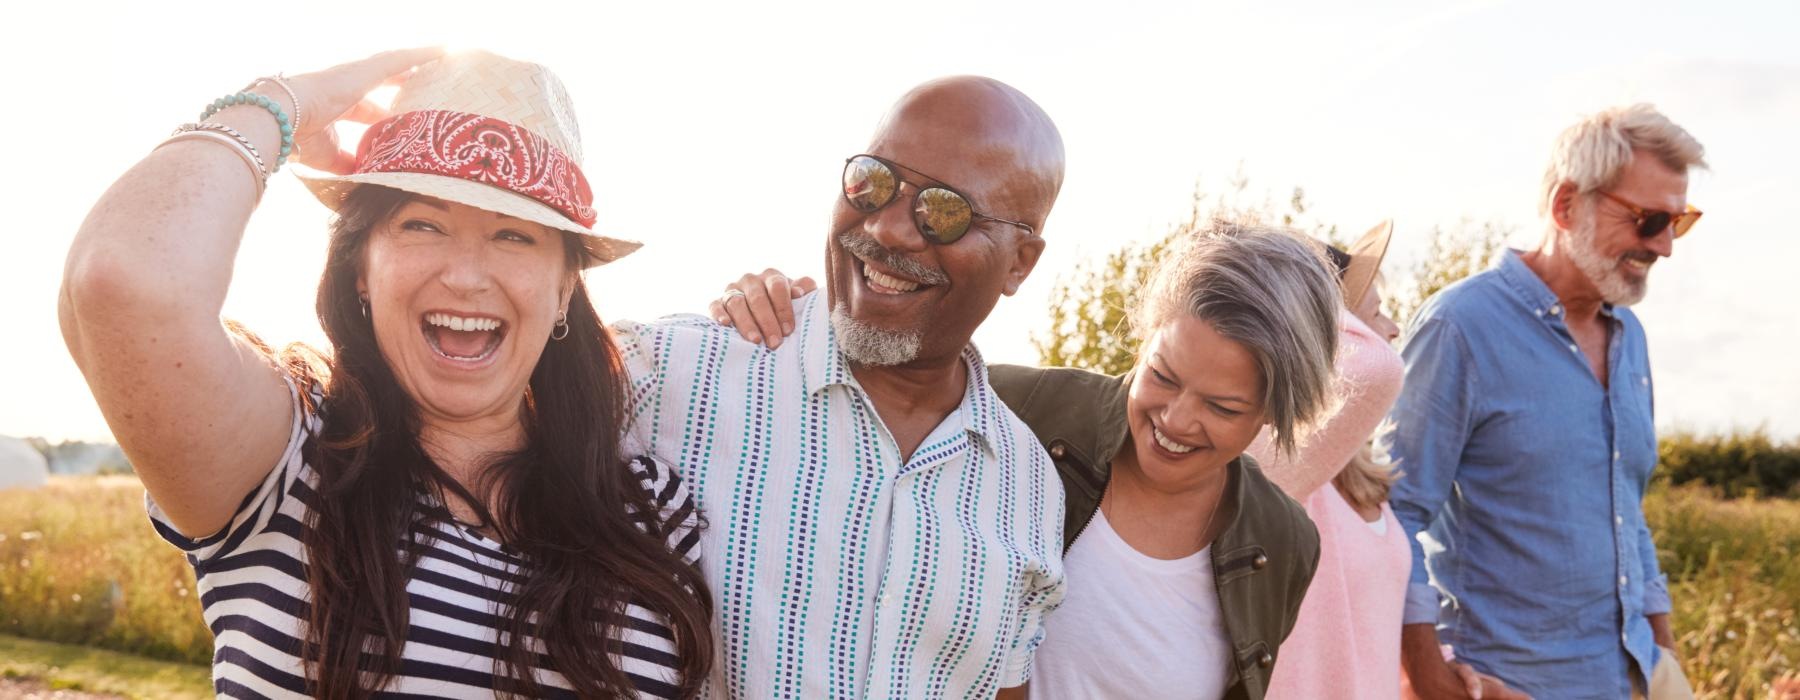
(254, 594)
(838, 569)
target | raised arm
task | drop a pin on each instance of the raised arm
(1368, 379)
(201, 412)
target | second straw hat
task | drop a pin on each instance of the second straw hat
(1365, 262)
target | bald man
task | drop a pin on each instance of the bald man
(878, 523)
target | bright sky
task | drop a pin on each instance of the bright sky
(1429, 112)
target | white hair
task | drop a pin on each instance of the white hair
(869, 345)
(1615, 288)
(1593, 152)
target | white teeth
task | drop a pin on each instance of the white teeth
(889, 281)
(460, 323)
(1168, 444)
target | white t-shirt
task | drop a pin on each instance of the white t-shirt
(1132, 626)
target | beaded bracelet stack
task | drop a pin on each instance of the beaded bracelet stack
(251, 98)
(280, 81)
(219, 133)
(229, 137)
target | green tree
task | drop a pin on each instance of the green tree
(1450, 256)
(1090, 324)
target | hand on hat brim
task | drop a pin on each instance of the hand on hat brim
(340, 94)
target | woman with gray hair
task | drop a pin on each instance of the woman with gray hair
(1186, 565)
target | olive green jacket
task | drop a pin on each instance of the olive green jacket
(1262, 560)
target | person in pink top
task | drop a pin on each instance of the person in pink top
(1346, 642)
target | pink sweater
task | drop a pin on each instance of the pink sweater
(1346, 642)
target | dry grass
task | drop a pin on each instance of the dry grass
(79, 564)
(1735, 580)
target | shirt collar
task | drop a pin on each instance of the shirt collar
(823, 365)
(1530, 289)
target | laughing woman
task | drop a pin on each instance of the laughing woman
(440, 505)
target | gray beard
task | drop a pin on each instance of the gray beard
(864, 344)
(1604, 273)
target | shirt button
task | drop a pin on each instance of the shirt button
(1555, 309)
(1615, 455)
(1574, 347)
(1644, 381)
(1624, 639)
(1618, 520)
(1623, 581)
(1261, 560)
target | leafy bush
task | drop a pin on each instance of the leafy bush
(1737, 464)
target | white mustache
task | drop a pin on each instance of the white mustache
(864, 247)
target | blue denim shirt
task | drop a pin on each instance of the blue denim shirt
(1522, 488)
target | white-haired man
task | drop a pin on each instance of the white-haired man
(1525, 435)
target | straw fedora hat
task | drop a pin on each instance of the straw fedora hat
(487, 131)
(1365, 262)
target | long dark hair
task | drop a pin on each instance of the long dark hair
(565, 503)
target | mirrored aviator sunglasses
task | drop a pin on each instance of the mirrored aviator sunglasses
(943, 215)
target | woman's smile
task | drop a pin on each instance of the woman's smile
(464, 340)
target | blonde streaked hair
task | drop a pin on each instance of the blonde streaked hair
(1592, 152)
(1365, 482)
(1269, 289)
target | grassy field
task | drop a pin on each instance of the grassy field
(1734, 574)
(80, 565)
(69, 667)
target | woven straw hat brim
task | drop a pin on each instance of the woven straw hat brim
(332, 189)
(1365, 262)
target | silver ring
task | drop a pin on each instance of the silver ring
(729, 293)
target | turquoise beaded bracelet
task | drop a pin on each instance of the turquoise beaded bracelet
(253, 99)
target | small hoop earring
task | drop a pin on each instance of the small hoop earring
(561, 329)
(365, 308)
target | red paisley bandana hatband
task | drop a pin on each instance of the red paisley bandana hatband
(478, 149)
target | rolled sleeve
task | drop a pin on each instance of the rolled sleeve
(1421, 605)
(1038, 603)
(1044, 594)
(1424, 438)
